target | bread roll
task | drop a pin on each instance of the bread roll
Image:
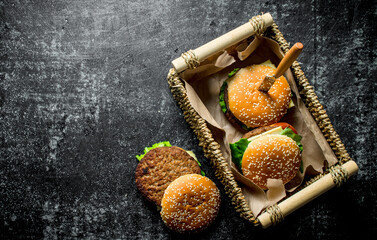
(252, 107)
(190, 203)
(271, 156)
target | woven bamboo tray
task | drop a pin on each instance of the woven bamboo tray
(310, 189)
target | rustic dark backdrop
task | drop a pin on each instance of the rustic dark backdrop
(83, 89)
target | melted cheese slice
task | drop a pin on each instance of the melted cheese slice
(275, 131)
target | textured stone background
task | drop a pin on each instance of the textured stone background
(83, 90)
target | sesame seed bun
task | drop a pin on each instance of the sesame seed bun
(271, 156)
(252, 107)
(159, 167)
(190, 203)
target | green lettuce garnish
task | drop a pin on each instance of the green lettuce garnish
(244, 127)
(238, 149)
(297, 138)
(192, 154)
(233, 72)
(156, 145)
(222, 97)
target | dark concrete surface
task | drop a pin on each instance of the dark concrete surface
(83, 89)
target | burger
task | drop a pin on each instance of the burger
(269, 152)
(161, 164)
(245, 106)
(190, 203)
(171, 178)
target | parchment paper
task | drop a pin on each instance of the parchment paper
(203, 86)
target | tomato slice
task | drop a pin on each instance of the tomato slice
(284, 125)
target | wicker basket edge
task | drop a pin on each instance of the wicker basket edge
(211, 148)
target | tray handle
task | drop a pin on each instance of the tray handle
(192, 58)
(335, 177)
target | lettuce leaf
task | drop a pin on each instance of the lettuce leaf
(192, 154)
(297, 138)
(222, 97)
(238, 149)
(302, 166)
(156, 145)
(233, 72)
